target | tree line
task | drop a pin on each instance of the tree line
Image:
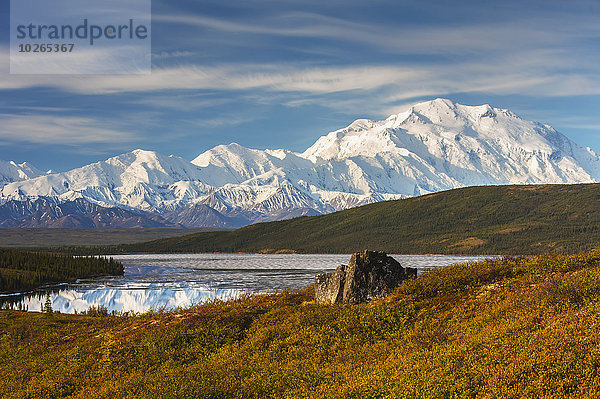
(22, 270)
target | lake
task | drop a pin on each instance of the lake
(168, 281)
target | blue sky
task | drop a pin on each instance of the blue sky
(278, 74)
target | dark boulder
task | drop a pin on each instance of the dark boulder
(369, 275)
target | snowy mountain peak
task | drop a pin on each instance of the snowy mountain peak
(236, 164)
(430, 146)
(450, 138)
(11, 171)
(222, 154)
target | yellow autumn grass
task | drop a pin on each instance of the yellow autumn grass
(509, 328)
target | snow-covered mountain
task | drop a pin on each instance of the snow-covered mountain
(432, 146)
(11, 172)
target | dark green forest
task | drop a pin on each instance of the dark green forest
(522, 219)
(21, 270)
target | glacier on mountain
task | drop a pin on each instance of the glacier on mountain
(10, 172)
(432, 146)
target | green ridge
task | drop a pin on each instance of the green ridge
(474, 220)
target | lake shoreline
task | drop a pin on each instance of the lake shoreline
(151, 281)
(523, 327)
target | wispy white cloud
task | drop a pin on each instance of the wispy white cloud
(403, 37)
(181, 101)
(585, 127)
(579, 122)
(521, 56)
(46, 109)
(224, 77)
(66, 130)
(462, 77)
(374, 88)
(227, 120)
(173, 54)
(117, 59)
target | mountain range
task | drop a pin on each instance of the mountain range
(432, 146)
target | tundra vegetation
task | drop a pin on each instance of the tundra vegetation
(512, 327)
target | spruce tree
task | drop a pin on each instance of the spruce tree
(48, 305)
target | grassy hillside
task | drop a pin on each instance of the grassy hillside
(474, 220)
(43, 237)
(511, 328)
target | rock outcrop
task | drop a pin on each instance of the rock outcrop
(369, 275)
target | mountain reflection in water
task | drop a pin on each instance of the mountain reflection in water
(168, 281)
